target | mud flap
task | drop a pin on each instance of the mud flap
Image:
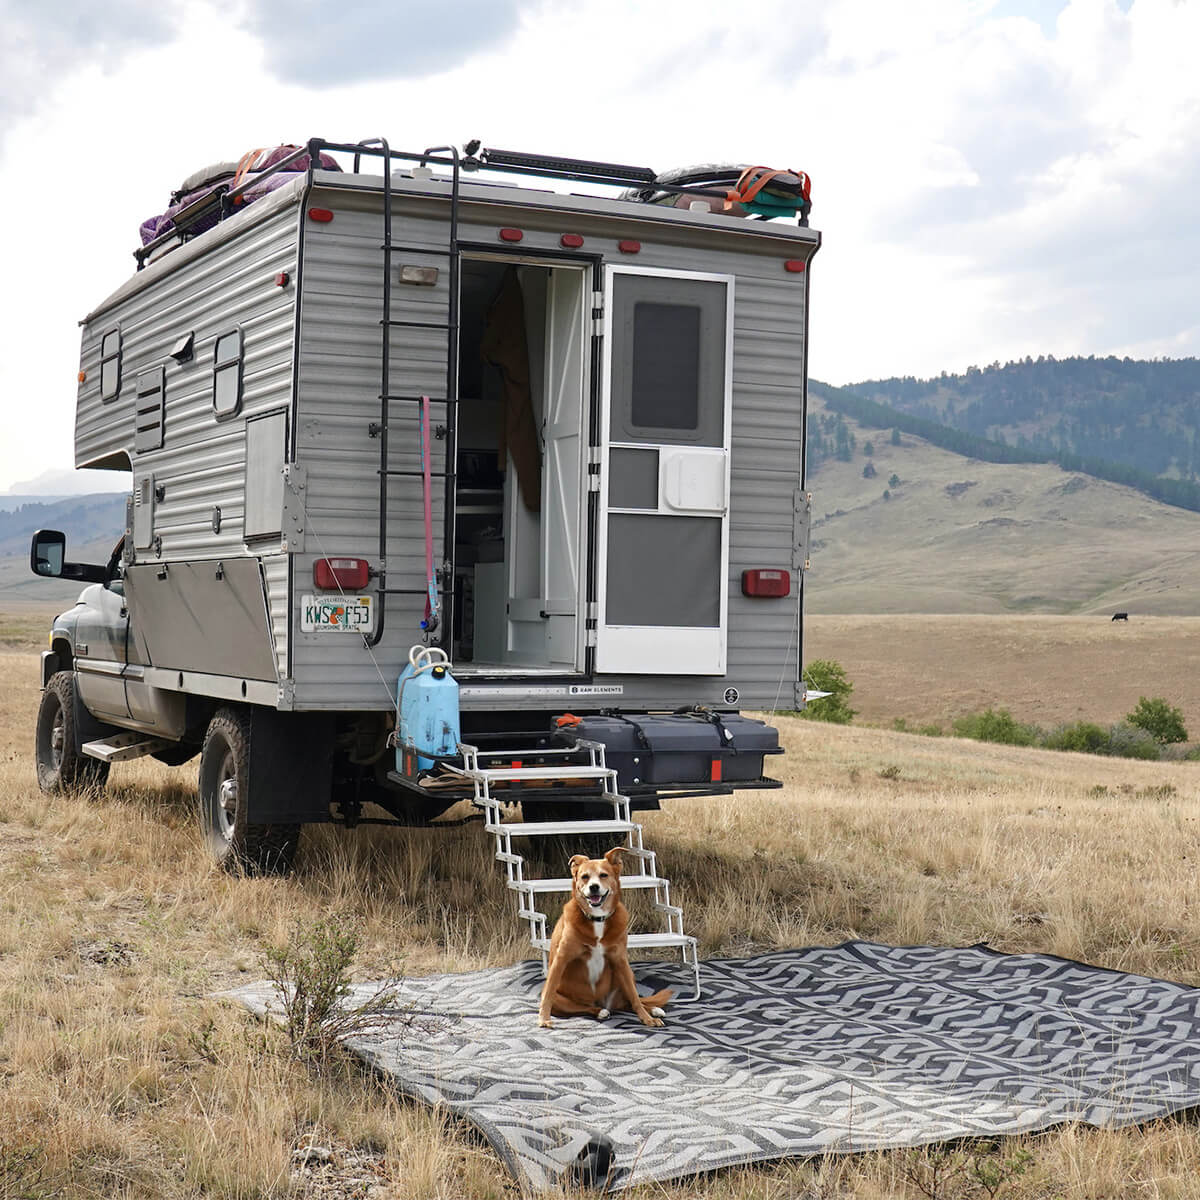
(291, 767)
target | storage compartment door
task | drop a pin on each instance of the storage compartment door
(663, 552)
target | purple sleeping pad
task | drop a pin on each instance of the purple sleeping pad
(156, 226)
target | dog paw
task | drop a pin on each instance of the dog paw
(651, 1022)
(545, 1023)
(603, 1015)
(657, 1012)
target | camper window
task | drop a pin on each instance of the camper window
(666, 366)
(110, 364)
(227, 374)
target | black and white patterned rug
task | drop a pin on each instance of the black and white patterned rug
(826, 1050)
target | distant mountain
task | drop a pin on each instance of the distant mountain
(904, 523)
(829, 438)
(84, 519)
(1144, 415)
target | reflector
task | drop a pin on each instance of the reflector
(766, 581)
(341, 574)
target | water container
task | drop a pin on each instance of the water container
(427, 708)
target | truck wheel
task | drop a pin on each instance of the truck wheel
(61, 768)
(236, 844)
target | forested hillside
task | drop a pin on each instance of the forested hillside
(1145, 415)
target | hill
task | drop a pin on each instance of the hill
(1144, 415)
(912, 527)
(92, 525)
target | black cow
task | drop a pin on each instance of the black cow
(1120, 616)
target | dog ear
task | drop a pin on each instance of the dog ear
(614, 858)
(576, 860)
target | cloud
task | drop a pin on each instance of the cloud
(328, 43)
(45, 43)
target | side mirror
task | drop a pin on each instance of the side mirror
(48, 553)
(47, 557)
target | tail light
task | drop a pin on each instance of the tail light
(764, 581)
(341, 574)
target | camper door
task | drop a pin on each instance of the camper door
(663, 553)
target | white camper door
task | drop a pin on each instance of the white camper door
(564, 494)
(663, 553)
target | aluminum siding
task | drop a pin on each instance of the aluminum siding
(338, 386)
(201, 464)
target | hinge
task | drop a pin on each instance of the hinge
(593, 469)
(589, 636)
(597, 314)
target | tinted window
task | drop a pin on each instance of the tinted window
(227, 374)
(110, 364)
(666, 366)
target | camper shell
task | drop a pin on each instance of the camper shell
(327, 382)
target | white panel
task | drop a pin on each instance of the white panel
(693, 480)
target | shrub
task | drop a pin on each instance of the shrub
(1082, 737)
(997, 725)
(311, 975)
(825, 675)
(1159, 719)
(1127, 741)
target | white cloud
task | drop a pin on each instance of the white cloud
(991, 178)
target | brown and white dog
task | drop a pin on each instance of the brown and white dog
(589, 972)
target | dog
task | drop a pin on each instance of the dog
(589, 972)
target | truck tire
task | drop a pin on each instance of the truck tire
(236, 844)
(61, 768)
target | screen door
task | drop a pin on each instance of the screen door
(664, 483)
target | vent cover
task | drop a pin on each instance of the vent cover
(148, 428)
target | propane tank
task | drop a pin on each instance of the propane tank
(427, 722)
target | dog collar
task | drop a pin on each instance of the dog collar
(591, 918)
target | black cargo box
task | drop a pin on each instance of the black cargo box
(653, 748)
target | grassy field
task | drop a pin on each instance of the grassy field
(121, 1078)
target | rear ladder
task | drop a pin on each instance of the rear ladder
(381, 428)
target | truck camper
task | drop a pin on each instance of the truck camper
(443, 485)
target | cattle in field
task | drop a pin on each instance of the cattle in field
(1120, 616)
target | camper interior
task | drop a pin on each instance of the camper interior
(520, 494)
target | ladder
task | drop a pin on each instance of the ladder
(514, 778)
(437, 633)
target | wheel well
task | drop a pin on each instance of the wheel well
(62, 648)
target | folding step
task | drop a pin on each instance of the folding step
(553, 828)
(639, 940)
(118, 747)
(530, 774)
(595, 771)
(537, 887)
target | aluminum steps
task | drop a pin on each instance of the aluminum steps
(512, 777)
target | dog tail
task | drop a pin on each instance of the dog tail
(659, 998)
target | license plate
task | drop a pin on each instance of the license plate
(336, 614)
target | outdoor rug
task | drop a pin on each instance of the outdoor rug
(801, 1052)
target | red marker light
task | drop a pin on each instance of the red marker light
(321, 215)
(282, 279)
(511, 235)
(571, 240)
(797, 266)
(341, 574)
(765, 581)
(629, 247)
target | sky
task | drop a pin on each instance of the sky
(992, 178)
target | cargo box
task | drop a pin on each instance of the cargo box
(651, 748)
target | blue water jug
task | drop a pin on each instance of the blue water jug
(427, 719)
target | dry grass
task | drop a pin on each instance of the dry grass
(120, 1079)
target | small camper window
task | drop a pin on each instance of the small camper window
(110, 364)
(227, 374)
(666, 366)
